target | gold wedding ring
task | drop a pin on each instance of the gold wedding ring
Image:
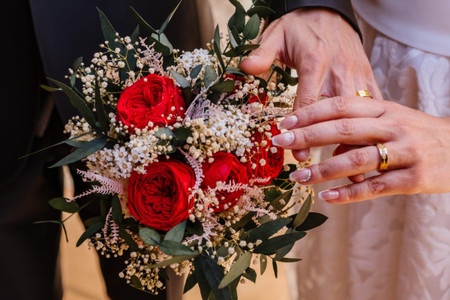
(363, 93)
(383, 156)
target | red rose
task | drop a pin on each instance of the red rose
(150, 99)
(225, 168)
(268, 163)
(159, 198)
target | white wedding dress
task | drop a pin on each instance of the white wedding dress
(390, 248)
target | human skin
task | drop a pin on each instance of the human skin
(325, 51)
(418, 147)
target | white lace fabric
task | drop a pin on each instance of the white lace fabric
(390, 248)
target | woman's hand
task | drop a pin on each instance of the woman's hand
(418, 147)
(322, 47)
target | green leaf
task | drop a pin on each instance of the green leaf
(164, 131)
(281, 253)
(251, 29)
(195, 71)
(158, 46)
(225, 86)
(49, 88)
(116, 210)
(173, 260)
(75, 67)
(241, 49)
(234, 39)
(85, 150)
(175, 248)
(94, 228)
(235, 71)
(62, 204)
(149, 236)
(180, 79)
(275, 268)
(313, 220)
(182, 133)
(281, 201)
(238, 268)
(191, 281)
(289, 260)
(303, 212)
(77, 102)
(109, 33)
(237, 20)
(164, 41)
(129, 240)
(136, 282)
(266, 230)
(166, 22)
(142, 22)
(250, 274)
(282, 180)
(271, 194)
(261, 11)
(262, 263)
(210, 76)
(209, 275)
(176, 233)
(290, 80)
(100, 109)
(59, 222)
(270, 246)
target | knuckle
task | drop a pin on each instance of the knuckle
(307, 135)
(376, 186)
(323, 170)
(339, 104)
(358, 159)
(345, 127)
(307, 115)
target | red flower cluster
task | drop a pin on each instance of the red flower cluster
(153, 99)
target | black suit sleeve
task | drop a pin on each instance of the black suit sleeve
(343, 7)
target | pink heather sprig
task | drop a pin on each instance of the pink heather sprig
(110, 225)
(259, 180)
(198, 171)
(107, 185)
(208, 227)
(152, 58)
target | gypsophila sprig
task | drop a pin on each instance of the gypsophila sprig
(178, 148)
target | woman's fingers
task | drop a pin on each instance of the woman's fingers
(389, 183)
(361, 131)
(335, 108)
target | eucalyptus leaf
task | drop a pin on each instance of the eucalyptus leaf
(129, 240)
(210, 76)
(237, 20)
(149, 236)
(281, 201)
(75, 67)
(251, 29)
(281, 253)
(313, 220)
(261, 11)
(164, 132)
(208, 271)
(303, 212)
(234, 39)
(182, 133)
(266, 230)
(290, 80)
(100, 109)
(290, 260)
(270, 246)
(175, 248)
(166, 22)
(238, 268)
(180, 79)
(164, 41)
(85, 150)
(77, 102)
(195, 71)
(250, 274)
(275, 268)
(225, 86)
(262, 263)
(59, 222)
(116, 210)
(136, 282)
(49, 88)
(191, 281)
(142, 22)
(176, 233)
(94, 228)
(242, 49)
(109, 32)
(63, 204)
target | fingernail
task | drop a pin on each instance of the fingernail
(300, 175)
(329, 195)
(289, 122)
(284, 139)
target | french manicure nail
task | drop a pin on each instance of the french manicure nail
(329, 195)
(284, 139)
(301, 175)
(289, 122)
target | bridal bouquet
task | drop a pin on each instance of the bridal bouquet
(177, 148)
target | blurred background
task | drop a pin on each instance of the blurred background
(82, 279)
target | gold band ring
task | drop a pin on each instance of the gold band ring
(383, 156)
(364, 93)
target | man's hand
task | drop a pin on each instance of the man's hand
(324, 49)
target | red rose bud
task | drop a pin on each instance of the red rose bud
(263, 161)
(153, 99)
(225, 168)
(159, 198)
